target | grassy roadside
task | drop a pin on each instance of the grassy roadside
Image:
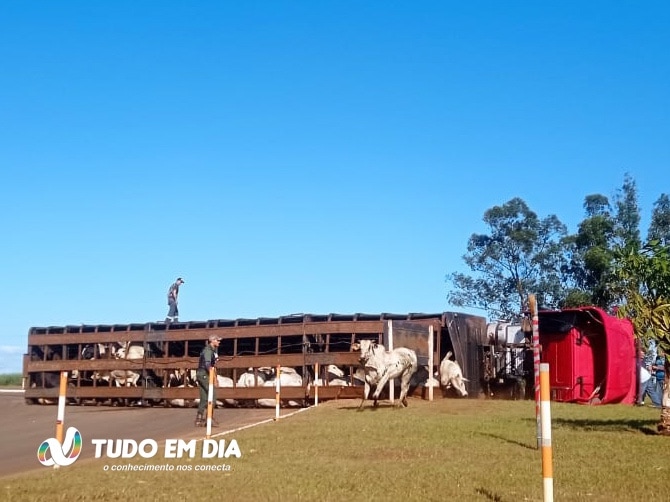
(10, 379)
(445, 450)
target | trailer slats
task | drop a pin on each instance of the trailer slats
(298, 341)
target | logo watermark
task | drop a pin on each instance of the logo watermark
(174, 448)
(52, 452)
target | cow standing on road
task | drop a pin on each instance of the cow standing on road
(381, 366)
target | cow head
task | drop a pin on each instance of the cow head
(457, 380)
(88, 352)
(458, 383)
(367, 348)
(92, 351)
(335, 371)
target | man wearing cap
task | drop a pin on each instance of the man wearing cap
(208, 357)
(172, 297)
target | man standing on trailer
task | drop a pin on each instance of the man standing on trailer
(207, 361)
(173, 297)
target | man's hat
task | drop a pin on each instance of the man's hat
(180, 279)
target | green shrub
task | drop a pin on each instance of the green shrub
(10, 379)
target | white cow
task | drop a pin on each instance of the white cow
(248, 379)
(127, 378)
(288, 377)
(381, 365)
(180, 402)
(100, 349)
(221, 381)
(94, 351)
(129, 350)
(423, 378)
(336, 376)
(121, 378)
(452, 376)
(359, 377)
(227, 382)
(334, 371)
(181, 377)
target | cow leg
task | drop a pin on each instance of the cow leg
(375, 397)
(366, 393)
(380, 386)
(404, 388)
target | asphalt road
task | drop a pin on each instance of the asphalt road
(24, 427)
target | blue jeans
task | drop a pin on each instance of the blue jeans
(173, 311)
(656, 391)
(653, 389)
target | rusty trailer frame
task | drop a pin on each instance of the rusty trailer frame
(297, 341)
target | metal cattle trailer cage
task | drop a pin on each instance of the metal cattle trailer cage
(296, 341)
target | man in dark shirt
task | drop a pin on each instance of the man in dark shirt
(208, 357)
(172, 298)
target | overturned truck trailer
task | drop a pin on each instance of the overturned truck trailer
(591, 357)
(150, 363)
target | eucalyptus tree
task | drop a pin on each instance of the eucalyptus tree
(627, 219)
(520, 254)
(659, 228)
(604, 229)
(591, 254)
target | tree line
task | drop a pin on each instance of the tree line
(606, 263)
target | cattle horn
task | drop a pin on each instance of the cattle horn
(355, 346)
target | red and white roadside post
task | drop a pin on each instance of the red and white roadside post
(60, 415)
(536, 363)
(547, 454)
(277, 391)
(210, 401)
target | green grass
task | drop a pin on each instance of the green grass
(10, 379)
(446, 450)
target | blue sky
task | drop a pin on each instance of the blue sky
(302, 157)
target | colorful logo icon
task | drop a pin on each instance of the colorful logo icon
(52, 452)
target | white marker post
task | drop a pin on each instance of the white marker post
(390, 348)
(60, 416)
(431, 362)
(277, 392)
(316, 384)
(547, 466)
(210, 401)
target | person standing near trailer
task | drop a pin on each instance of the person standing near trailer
(658, 377)
(173, 300)
(207, 361)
